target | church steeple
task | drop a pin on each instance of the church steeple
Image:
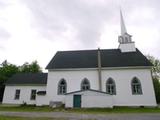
(123, 27)
(126, 43)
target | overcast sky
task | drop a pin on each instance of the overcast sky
(37, 29)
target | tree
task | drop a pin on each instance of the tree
(32, 68)
(156, 85)
(8, 69)
(156, 66)
(156, 76)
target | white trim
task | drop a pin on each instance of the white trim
(26, 85)
(72, 69)
(103, 68)
(132, 67)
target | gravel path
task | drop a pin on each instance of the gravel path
(76, 116)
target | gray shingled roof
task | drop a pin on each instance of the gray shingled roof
(88, 59)
(28, 79)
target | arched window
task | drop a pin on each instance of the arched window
(85, 85)
(126, 39)
(62, 87)
(110, 86)
(136, 86)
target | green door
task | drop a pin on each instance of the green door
(77, 101)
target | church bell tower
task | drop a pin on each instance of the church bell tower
(125, 40)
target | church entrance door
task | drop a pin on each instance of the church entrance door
(77, 101)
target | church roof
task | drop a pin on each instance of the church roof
(89, 59)
(92, 90)
(28, 79)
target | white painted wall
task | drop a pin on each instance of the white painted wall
(122, 79)
(97, 101)
(69, 101)
(73, 79)
(124, 95)
(90, 99)
(127, 47)
(25, 93)
(42, 100)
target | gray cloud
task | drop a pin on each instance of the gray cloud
(1, 47)
(85, 21)
(3, 4)
(53, 16)
(4, 34)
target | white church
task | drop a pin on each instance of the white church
(88, 78)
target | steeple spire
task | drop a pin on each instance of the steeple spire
(124, 37)
(123, 27)
(126, 43)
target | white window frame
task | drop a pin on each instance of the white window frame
(136, 86)
(85, 86)
(62, 88)
(17, 94)
(33, 94)
(111, 87)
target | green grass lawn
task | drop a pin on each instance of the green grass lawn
(26, 108)
(27, 118)
(116, 110)
(90, 110)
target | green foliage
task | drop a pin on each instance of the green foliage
(156, 65)
(33, 67)
(156, 76)
(8, 69)
(1, 90)
(156, 84)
